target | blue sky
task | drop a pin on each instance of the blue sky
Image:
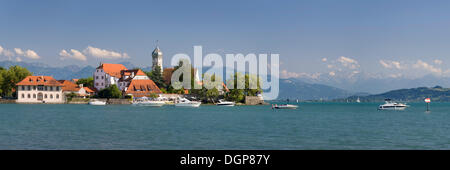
(334, 38)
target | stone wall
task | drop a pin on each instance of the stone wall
(7, 100)
(253, 100)
(118, 101)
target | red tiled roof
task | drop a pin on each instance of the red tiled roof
(39, 80)
(69, 86)
(137, 72)
(167, 75)
(112, 69)
(139, 88)
(89, 90)
(75, 80)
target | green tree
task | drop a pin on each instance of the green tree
(11, 77)
(110, 92)
(157, 77)
(87, 82)
(238, 95)
(208, 95)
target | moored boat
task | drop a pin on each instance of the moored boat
(183, 102)
(97, 102)
(225, 103)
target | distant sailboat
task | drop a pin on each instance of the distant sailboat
(358, 101)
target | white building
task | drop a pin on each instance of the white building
(107, 74)
(71, 87)
(157, 57)
(39, 89)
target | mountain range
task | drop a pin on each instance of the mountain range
(436, 93)
(376, 84)
(297, 89)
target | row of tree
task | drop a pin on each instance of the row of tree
(9, 78)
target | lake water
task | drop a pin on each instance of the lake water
(312, 126)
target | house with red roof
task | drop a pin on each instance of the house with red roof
(39, 89)
(70, 87)
(107, 74)
(131, 82)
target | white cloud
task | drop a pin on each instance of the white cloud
(18, 59)
(31, 54)
(348, 62)
(74, 54)
(324, 59)
(391, 64)
(428, 67)
(28, 53)
(438, 62)
(1, 50)
(395, 75)
(332, 73)
(18, 51)
(102, 53)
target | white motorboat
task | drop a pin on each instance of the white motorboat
(391, 105)
(97, 102)
(284, 106)
(225, 103)
(144, 101)
(183, 102)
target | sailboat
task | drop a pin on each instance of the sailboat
(358, 101)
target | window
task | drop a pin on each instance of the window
(34, 96)
(29, 96)
(51, 88)
(57, 88)
(23, 87)
(57, 96)
(40, 88)
(97, 71)
(51, 96)
(102, 84)
(102, 77)
(29, 88)
(45, 88)
(96, 77)
(34, 87)
(96, 84)
(45, 96)
(23, 95)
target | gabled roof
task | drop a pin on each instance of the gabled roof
(69, 86)
(89, 90)
(39, 80)
(139, 88)
(112, 69)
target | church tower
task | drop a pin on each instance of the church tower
(157, 59)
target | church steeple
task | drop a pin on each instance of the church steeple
(157, 57)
